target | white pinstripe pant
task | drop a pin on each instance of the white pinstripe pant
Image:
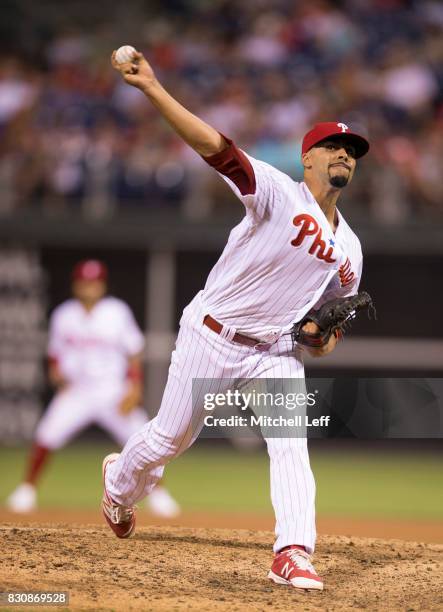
(201, 353)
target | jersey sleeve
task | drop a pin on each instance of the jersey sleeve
(132, 337)
(341, 285)
(55, 337)
(353, 286)
(254, 182)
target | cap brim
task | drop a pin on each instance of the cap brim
(360, 144)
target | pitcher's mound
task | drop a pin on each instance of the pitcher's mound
(171, 568)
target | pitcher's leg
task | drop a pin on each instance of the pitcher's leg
(292, 481)
(199, 354)
(142, 461)
(292, 493)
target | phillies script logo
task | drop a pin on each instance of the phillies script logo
(346, 274)
(309, 227)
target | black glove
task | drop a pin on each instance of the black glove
(331, 318)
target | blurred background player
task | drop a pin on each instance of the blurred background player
(95, 350)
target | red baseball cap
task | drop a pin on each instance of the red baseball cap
(90, 269)
(330, 130)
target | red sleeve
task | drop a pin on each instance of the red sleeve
(53, 363)
(234, 164)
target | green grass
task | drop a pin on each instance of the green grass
(348, 484)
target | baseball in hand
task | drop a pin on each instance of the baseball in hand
(124, 54)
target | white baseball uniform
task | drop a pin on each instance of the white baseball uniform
(279, 262)
(91, 350)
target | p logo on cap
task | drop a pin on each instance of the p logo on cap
(329, 131)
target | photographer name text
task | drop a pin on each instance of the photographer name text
(266, 421)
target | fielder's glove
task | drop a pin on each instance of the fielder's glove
(331, 318)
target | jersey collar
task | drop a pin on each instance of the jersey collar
(308, 194)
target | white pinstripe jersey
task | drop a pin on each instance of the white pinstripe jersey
(281, 259)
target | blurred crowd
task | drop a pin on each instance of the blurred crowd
(75, 137)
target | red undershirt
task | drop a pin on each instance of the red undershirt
(233, 163)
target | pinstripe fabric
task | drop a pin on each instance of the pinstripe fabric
(264, 281)
(262, 284)
(292, 481)
(202, 354)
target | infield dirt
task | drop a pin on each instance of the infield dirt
(178, 568)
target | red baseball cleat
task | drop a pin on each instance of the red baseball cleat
(293, 566)
(121, 519)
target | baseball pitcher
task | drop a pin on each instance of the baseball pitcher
(292, 253)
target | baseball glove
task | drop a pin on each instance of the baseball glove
(331, 318)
